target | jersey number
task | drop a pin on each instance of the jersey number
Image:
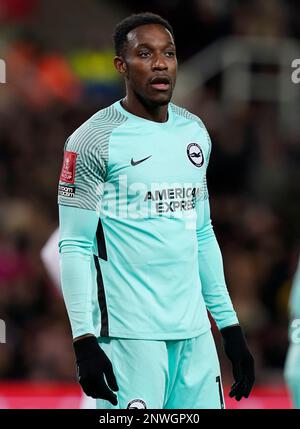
(218, 380)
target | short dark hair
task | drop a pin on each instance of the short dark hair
(131, 22)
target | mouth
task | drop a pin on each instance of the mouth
(160, 83)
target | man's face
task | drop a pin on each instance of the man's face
(151, 64)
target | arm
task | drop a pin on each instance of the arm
(77, 231)
(80, 190)
(211, 271)
(294, 300)
(217, 298)
(219, 304)
(294, 307)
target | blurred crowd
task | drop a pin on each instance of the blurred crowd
(253, 177)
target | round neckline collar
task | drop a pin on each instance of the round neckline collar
(125, 112)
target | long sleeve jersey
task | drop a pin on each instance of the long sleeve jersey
(138, 254)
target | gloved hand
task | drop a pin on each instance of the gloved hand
(237, 351)
(92, 365)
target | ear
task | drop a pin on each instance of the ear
(120, 65)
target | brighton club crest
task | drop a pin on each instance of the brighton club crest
(195, 154)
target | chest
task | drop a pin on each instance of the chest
(158, 155)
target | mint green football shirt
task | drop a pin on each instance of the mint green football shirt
(139, 258)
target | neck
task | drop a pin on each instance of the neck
(153, 113)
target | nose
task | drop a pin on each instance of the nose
(159, 62)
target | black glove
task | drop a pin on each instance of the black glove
(92, 365)
(237, 351)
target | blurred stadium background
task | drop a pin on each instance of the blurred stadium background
(235, 73)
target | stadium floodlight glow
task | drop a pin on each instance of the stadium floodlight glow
(2, 71)
(2, 331)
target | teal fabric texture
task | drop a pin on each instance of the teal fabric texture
(139, 257)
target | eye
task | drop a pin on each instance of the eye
(170, 54)
(144, 54)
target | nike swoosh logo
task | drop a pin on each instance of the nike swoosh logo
(139, 161)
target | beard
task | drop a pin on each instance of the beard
(153, 103)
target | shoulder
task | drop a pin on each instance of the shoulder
(96, 130)
(110, 117)
(186, 114)
(191, 117)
